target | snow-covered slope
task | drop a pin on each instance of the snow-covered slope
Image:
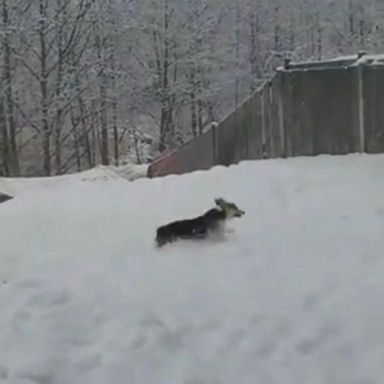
(294, 295)
(101, 173)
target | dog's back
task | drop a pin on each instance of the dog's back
(214, 218)
(197, 227)
(172, 231)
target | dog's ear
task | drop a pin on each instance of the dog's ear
(220, 202)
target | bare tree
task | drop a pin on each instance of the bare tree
(4, 141)
(14, 167)
(78, 77)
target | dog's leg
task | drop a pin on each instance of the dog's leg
(200, 232)
(218, 232)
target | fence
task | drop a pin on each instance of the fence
(334, 107)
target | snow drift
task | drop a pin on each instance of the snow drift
(101, 173)
(294, 295)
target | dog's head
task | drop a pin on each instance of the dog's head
(230, 209)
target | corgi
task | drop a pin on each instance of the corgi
(211, 222)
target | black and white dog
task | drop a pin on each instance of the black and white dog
(211, 222)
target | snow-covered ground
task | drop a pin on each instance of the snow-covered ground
(17, 186)
(294, 295)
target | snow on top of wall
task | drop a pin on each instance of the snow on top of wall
(371, 60)
(347, 60)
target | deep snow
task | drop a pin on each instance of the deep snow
(16, 186)
(294, 295)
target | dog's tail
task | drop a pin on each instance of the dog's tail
(160, 239)
(159, 243)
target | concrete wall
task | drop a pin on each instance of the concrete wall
(311, 111)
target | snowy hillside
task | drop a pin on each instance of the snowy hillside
(294, 295)
(16, 186)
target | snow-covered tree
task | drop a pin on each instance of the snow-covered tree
(83, 81)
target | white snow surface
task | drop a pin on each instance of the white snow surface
(371, 59)
(293, 295)
(101, 173)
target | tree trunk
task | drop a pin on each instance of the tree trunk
(85, 133)
(193, 103)
(137, 149)
(103, 123)
(163, 72)
(254, 31)
(60, 68)
(76, 140)
(210, 111)
(94, 131)
(277, 31)
(4, 148)
(116, 152)
(237, 54)
(351, 19)
(46, 132)
(46, 153)
(104, 148)
(200, 124)
(112, 64)
(86, 123)
(9, 102)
